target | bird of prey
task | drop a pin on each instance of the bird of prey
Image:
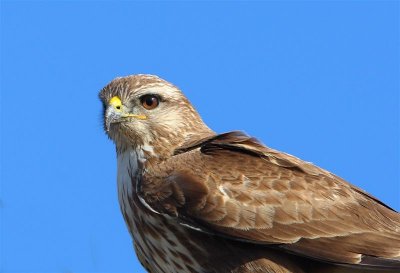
(199, 202)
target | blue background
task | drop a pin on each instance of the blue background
(319, 80)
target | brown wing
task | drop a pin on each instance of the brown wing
(234, 186)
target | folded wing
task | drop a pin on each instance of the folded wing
(233, 186)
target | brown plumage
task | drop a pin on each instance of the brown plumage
(195, 201)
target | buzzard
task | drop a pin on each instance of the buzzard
(197, 201)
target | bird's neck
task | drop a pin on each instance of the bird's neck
(129, 166)
(162, 148)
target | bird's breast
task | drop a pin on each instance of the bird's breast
(164, 246)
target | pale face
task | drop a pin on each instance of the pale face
(149, 113)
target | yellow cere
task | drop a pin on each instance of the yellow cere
(115, 102)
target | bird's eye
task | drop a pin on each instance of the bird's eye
(149, 101)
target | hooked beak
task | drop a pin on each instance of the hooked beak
(116, 113)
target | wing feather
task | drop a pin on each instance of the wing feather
(234, 186)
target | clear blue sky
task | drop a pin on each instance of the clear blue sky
(319, 80)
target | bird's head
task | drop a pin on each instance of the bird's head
(144, 111)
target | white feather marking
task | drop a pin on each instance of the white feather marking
(144, 203)
(246, 181)
(148, 148)
(225, 192)
(193, 227)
